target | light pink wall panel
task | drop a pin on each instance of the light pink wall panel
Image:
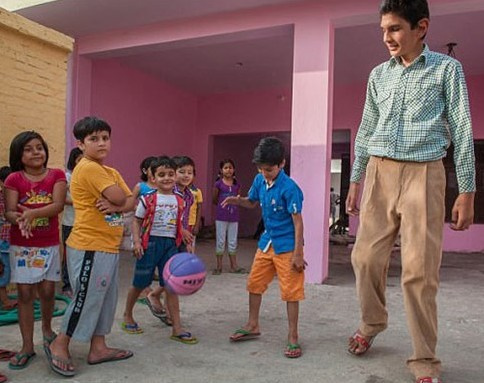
(148, 117)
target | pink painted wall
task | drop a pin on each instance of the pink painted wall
(233, 114)
(148, 116)
(348, 107)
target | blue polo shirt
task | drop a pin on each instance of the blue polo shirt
(278, 202)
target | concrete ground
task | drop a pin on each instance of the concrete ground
(328, 316)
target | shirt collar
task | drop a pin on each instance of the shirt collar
(424, 56)
(278, 178)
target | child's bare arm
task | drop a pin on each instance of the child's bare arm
(215, 192)
(298, 262)
(198, 221)
(239, 201)
(11, 201)
(115, 195)
(136, 232)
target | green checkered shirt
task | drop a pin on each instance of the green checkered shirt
(413, 113)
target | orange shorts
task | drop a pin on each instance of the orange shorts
(266, 266)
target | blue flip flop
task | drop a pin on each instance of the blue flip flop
(131, 328)
(185, 337)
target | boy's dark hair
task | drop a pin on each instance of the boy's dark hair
(4, 172)
(144, 166)
(73, 156)
(269, 151)
(88, 125)
(17, 149)
(182, 161)
(164, 161)
(410, 10)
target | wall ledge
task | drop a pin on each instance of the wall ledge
(36, 31)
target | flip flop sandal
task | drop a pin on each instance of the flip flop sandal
(293, 351)
(167, 320)
(216, 271)
(28, 356)
(239, 270)
(428, 379)
(131, 328)
(6, 354)
(52, 358)
(114, 356)
(362, 342)
(154, 311)
(47, 340)
(242, 334)
(3, 378)
(184, 337)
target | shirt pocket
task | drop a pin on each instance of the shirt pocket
(423, 101)
(384, 100)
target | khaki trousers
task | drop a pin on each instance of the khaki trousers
(405, 197)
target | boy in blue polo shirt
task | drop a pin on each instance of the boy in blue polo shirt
(280, 248)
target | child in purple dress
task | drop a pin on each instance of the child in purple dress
(227, 218)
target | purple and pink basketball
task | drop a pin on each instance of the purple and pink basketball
(184, 274)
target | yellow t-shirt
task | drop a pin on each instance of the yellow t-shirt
(197, 198)
(93, 230)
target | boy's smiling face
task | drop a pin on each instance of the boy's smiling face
(399, 37)
(184, 176)
(164, 179)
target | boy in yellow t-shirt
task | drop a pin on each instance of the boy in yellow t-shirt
(100, 196)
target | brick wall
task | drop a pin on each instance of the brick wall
(33, 72)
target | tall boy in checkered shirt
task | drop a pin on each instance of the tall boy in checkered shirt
(416, 105)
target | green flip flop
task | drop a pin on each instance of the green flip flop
(26, 357)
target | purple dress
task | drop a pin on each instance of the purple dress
(231, 212)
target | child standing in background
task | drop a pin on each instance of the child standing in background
(185, 171)
(34, 197)
(227, 217)
(195, 216)
(6, 303)
(68, 218)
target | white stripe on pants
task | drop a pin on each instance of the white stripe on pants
(226, 231)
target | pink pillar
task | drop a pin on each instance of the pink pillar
(79, 95)
(311, 136)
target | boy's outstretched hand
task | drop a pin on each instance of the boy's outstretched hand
(230, 201)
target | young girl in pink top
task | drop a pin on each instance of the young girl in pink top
(34, 196)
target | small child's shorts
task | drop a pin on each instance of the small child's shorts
(159, 251)
(5, 263)
(31, 265)
(266, 266)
